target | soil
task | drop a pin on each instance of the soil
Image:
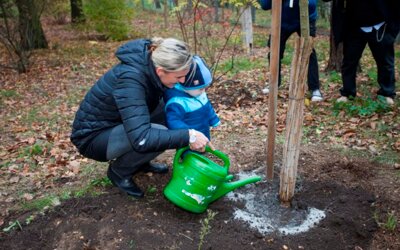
(344, 189)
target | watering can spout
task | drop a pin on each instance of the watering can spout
(230, 186)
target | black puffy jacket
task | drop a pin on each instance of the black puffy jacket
(126, 94)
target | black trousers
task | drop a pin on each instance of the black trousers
(113, 145)
(381, 44)
(313, 71)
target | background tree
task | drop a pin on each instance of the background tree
(77, 15)
(335, 39)
(16, 57)
(30, 27)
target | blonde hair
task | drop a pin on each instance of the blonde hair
(170, 54)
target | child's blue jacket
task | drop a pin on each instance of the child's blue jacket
(186, 112)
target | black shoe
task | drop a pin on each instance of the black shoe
(159, 168)
(127, 185)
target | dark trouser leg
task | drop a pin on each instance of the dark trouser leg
(285, 34)
(313, 71)
(132, 162)
(353, 47)
(383, 53)
(313, 74)
(127, 161)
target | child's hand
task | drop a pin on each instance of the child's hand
(211, 145)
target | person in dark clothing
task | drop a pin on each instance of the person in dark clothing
(121, 118)
(290, 23)
(372, 22)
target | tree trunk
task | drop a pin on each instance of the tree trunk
(294, 120)
(216, 10)
(335, 37)
(77, 15)
(335, 55)
(247, 29)
(165, 14)
(157, 3)
(30, 28)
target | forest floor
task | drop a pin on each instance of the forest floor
(52, 198)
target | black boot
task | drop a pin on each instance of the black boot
(159, 168)
(127, 185)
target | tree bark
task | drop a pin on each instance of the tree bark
(247, 29)
(335, 38)
(294, 120)
(30, 27)
(77, 15)
(165, 13)
(335, 55)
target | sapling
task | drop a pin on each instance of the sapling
(205, 226)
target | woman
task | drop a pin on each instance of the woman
(121, 117)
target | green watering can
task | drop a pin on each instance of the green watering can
(197, 181)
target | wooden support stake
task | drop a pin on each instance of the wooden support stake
(273, 84)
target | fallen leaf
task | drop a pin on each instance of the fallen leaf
(14, 179)
(27, 196)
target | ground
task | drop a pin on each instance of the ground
(358, 194)
(350, 192)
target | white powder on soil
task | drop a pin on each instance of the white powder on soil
(261, 214)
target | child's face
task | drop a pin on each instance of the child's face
(195, 92)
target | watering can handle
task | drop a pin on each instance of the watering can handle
(179, 152)
(220, 155)
(217, 153)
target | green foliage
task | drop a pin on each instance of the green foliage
(240, 64)
(35, 149)
(373, 75)
(241, 3)
(91, 187)
(362, 107)
(109, 17)
(260, 40)
(101, 182)
(12, 225)
(42, 203)
(59, 10)
(387, 157)
(334, 76)
(151, 190)
(10, 9)
(287, 57)
(263, 18)
(8, 93)
(29, 219)
(391, 222)
(4, 94)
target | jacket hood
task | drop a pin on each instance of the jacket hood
(136, 54)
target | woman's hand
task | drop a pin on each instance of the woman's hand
(198, 141)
